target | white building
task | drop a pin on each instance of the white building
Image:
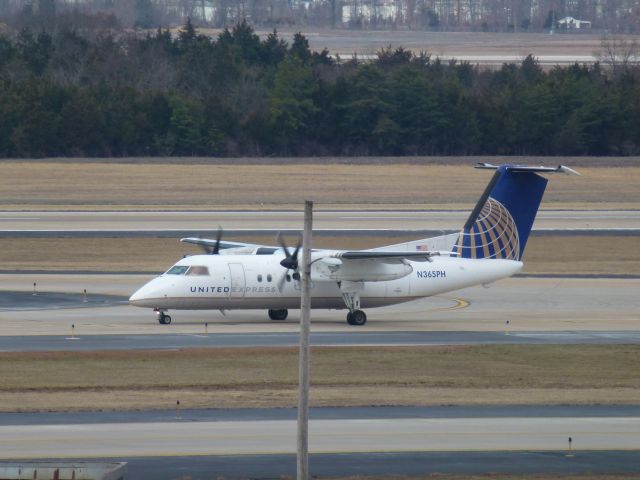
(570, 23)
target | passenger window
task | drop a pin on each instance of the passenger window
(266, 251)
(177, 270)
(198, 270)
(259, 278)
(269, 278)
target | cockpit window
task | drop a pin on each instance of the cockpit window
(177, 270)
(198, 270)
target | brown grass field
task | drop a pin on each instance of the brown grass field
(544, 254)
(261, 377)
(37, 185)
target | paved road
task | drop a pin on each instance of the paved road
(51, 222)
(424, 431)
(272, 437)
(320, 413)
(386, 464)
(34, 343)
(382, 464)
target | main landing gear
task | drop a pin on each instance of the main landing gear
(163, 318)
(357, 318)
(280, 314)
(351, 296)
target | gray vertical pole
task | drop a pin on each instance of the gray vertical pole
(305, 317)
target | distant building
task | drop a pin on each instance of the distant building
(570, 23)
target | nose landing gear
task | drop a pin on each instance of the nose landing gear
(163, 318)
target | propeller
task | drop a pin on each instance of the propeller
(215, 250)
(290, 261)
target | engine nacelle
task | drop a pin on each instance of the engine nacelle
(336, 269)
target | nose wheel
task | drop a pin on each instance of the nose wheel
(163, 318)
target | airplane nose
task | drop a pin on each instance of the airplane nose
(148, 294)
(138, 296)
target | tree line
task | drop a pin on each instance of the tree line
(613, 16)
(114, 94)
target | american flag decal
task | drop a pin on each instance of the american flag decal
(422, 248)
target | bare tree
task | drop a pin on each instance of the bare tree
(619, 53)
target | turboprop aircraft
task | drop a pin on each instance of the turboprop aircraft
(234, 275)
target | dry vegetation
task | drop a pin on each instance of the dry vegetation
(88, 186)
(544, 254)
(576, 374)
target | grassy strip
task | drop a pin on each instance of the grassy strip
(259, 377)
(88, 186)
(576, 254)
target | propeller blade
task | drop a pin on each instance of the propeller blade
(216, 248)
(291, 260)
(283, 245)
(298, 247)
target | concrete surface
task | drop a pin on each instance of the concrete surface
(266, 437)
(63, 471)
(88, 343)
(34, 221)
(318, 413)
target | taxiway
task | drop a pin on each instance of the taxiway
(527, 304)
(382, 220)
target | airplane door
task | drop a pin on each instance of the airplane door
(236, 271)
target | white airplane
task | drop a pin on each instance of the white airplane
(236, 275)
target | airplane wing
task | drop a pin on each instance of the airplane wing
(384, 255)
(206, 242)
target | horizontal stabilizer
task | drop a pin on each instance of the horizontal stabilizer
(526, 168)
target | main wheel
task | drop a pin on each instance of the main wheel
(280, 314)
(357, 318)
(164, 319)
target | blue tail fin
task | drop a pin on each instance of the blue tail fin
(499, 225)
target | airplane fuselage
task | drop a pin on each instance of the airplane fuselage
(256, 282)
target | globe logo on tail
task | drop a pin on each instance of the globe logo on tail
(493, 235)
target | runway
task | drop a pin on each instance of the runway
(383, 464)
(380, 220)
(344, 435)
(343, 441)
(386, 464)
